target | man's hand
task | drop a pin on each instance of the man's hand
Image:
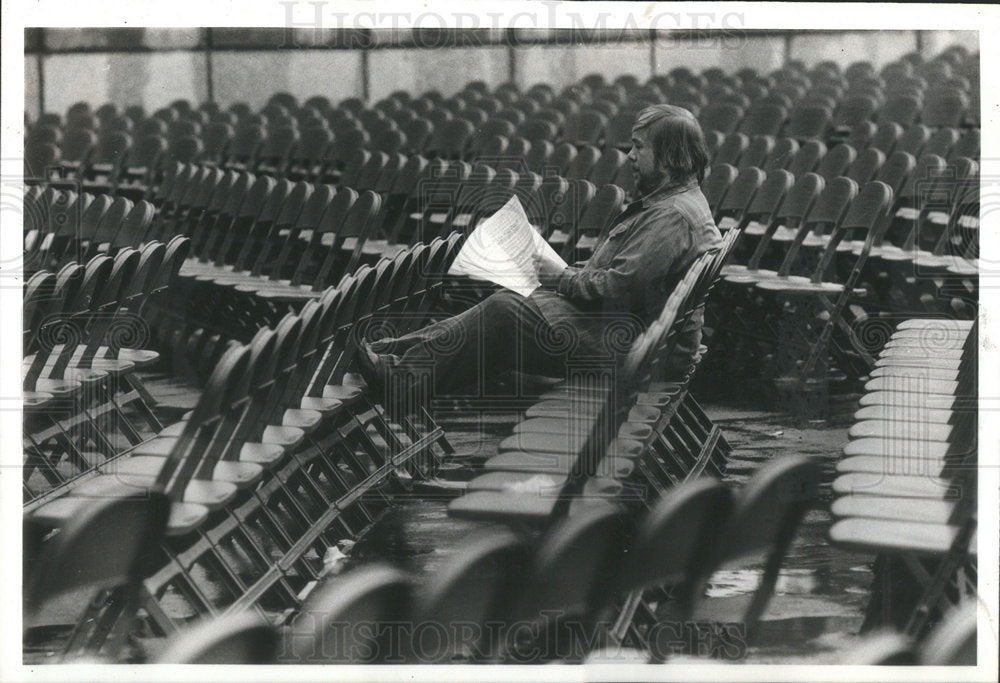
(548, 272)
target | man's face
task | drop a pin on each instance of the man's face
(645, 169)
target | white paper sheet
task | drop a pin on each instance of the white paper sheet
(502, 248)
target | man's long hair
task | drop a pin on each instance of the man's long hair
(677, 140)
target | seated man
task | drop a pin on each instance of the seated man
(589, 312)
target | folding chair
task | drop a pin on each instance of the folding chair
(730, 151)
(757, 152)
(865, 218)
(729, 211)
(763, 522)
(836, 162)
(471, 590)
(921, 507)
(238, 639)
(941, 142)
(913, 139)
(885, 137)
(944, 108)
(606, 203)
(763, 119)
(716, 184)
(104, 548)
(865, 166)
(807, 158)
(781, 155)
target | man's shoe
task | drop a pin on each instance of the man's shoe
(373, 370)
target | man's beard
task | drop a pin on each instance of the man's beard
(649, 183)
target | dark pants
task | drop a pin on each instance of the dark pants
(465, 353)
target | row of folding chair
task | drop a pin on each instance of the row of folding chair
(84, 331)
(792, 238)
(857, 158)
(279, 460)
(504, 599)
(907, 488)
(283, 135)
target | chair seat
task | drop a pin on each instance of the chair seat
(344, 393)
(969, 268)
(907, 466)
(551, 463)
(937, 323)
(755, 228)
(943, 356)
(325, 406)
(36, 399)
(497, 506)
(941, 387)
(750, 277)
(892, 536)
(438, 218)
(502, 506)
(184, 517)
(915, 372)
(798, 285)
(287, 437)
(242, 474)
(576, 428)
(903, 509)
(893, 486)
(903, 399)
(728, 223)
(533, 442)
(78, 376)
(264, 454)
(541, 484)
(917, 431)
(141, 358)
(784, 234)
(303, 292)
(903, 414)
(913, 448)
(60, 388)
(212, 494)
(306, 420)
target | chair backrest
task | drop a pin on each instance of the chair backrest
(763, 522)
(866, 165)
(913, 139)
(886, 136)
(739, 196)
(731, 149)
(807, 158)
(865, 220)
(575, 564)
(953, 640)
(676, 537)
(836, 161)
(785, 150)
(339, 621)
(798, 203)
(476, 585)
(581, 165)
(757, 152)
(105, 545)
(941, 142)
(717, 183)
(233, 639)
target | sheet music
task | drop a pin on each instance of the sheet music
(502, 248)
